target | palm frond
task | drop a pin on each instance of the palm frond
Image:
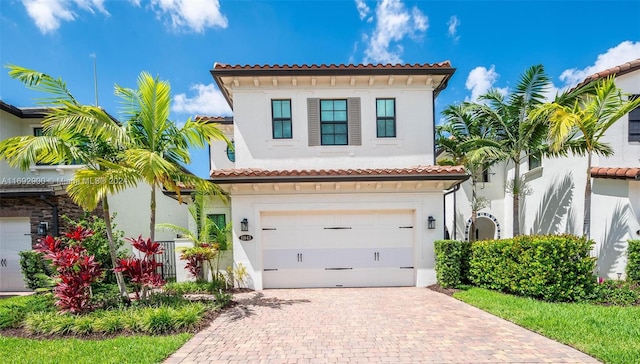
(89, 186)
(42, 82)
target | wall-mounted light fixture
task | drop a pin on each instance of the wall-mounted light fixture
(43, 227)
(244, 225)
(431, 222)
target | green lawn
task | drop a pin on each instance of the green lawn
(610, 334)
(131, 349)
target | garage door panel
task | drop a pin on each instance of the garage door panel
(14, 238)
(338, 248)
(308, 278)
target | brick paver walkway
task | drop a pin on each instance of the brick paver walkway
(368, 325)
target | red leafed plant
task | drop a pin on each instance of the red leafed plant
(76, 269)
(142, 272)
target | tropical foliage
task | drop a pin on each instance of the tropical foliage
(146, 146)
(210, 240)
(578, 120)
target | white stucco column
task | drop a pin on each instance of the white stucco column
(182, 275)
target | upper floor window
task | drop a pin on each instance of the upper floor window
(535, 160)
(386, 118)
(281, 119)
(38, 131)
(634, 123)
(333, 122)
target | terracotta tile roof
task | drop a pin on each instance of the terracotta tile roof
(216, 119)
(388, 66)
(613, 71)
(249, 175)
(617, 173)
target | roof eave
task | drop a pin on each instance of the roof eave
(217, 75)
(343, 178)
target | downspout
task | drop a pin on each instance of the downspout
(55, 215)
(444, 199)
(433, 130)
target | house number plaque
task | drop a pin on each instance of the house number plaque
(245, 237)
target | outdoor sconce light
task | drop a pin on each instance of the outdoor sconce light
(431, 222)
(244, 225)
(42, 229)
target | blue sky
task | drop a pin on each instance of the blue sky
(490, 43)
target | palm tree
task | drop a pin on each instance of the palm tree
(158, 148)
(470, 142)
(520, 135)
(63, 142)
(579, 118)
(148, 146)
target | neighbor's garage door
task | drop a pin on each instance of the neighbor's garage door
(14, 238)
(339, 249)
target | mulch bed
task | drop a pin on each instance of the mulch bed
(448, 291)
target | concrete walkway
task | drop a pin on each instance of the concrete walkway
(368, 325)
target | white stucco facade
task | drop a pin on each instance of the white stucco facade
(555, 204)
(332, 215)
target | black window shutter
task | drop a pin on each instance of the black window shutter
(353, 119)
(313, 111)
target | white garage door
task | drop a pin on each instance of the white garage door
(338, 249)
(14, 238)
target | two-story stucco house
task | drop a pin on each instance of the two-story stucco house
(555, 203)
(33, 202)
(333, 181)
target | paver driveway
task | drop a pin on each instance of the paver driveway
(366, 325)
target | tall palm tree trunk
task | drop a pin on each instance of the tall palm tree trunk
(152, 224)
(586, 227)
(474, 208)
(516, 199)
(112, 248)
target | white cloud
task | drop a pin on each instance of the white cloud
(48, 14)
(196, 15)
(623, 52)
(363, 9)
(481, 80)
(393, 23)
(207, 101)
(452, 25)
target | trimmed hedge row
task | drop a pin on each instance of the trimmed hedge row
(452, 262)
(551, 267)
(633, 261)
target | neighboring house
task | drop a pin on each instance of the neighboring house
(32, 202)
(556, 199)
(333, 181)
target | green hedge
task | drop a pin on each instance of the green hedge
(452, 262)
(36, 271)
(633, 261)
(552, 268)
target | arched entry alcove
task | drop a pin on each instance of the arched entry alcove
(488, 228)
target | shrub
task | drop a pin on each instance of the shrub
(49, 323)
(109, 322)
(77, 270)
(14, 310)
(199, 287)
(633, 261)
(36, 271)
(617, 293)
(452, 262)
(142, 272)
(98, 243)
(552, 268)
